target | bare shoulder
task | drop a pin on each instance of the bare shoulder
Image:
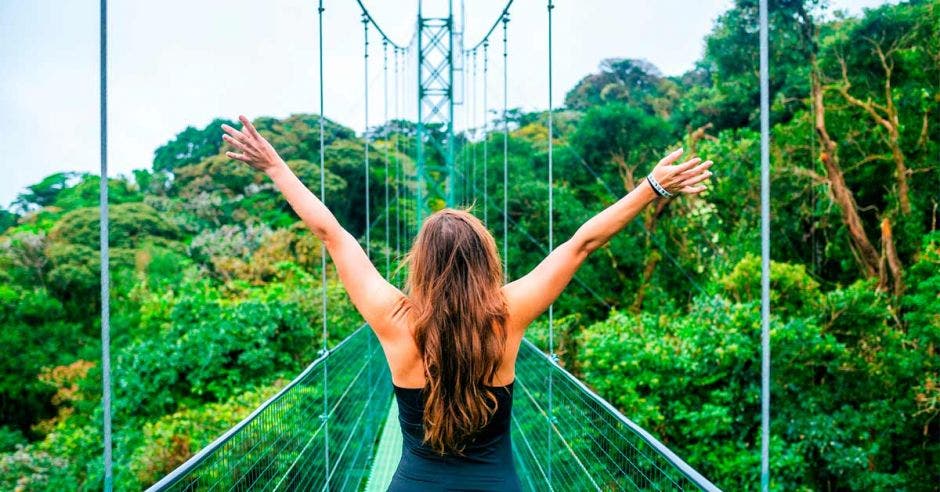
(397, 324)
(396, 335)
(517, 303)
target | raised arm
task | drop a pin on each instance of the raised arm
(372, 295)
(530, 296)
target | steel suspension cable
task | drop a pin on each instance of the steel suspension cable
(419, 144)
(388, 251)
(104, 247)
(473, 124)
(499, 19)
(765, 247)
(397, 164)
(323, 309)
(468, 109)
(551, 246)
(505, 147)
(365, 134)
(486, 128)
(369, 19)
(408, 75)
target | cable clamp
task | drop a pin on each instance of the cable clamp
(324, 417)
(554, 358)
(323, 352)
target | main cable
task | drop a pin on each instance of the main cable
(499, 19)
(369, 19)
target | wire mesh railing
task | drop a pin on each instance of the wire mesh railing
(299, 440)
(584, 443)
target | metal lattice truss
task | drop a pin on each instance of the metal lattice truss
(437, 175)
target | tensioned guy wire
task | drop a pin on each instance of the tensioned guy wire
(397, 165)
(104, 229)
(473, 124)
(765, 248)
(324, 415)
(388, 252)
(505, 148)
(365, 134)
(553, 359)
(551, 198)
(486, 129)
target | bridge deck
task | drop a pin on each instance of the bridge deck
(387, 454)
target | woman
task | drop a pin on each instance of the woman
(451, 339)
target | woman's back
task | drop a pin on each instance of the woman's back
(486, 460)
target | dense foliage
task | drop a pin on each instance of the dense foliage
(215, 284)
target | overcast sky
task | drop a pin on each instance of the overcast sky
(175, 63)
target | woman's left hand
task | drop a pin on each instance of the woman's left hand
(687, 177)
(252, 147)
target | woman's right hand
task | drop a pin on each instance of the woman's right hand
(252, 147)
(687, 177)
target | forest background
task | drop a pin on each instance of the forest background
(215, 295)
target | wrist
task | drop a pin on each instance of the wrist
(646, 191)
(657, 186)
(277, 169)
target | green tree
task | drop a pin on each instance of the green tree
(45, 192)
(190, 146)
(7, 219)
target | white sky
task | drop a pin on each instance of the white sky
(175, 63)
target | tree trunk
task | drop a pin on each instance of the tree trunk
(900, 169)
(886, 116)
(891, 255)
(699, 134)
(866, 254)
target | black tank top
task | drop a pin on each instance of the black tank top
(486, 463)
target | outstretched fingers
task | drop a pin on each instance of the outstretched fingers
(233, 132)
(246, 125)
(685, 166)
(669, 159)
(238, 156)
(697, 178)
(693, 190)
(235, 143)
(699, 169)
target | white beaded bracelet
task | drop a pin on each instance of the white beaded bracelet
(658, 188)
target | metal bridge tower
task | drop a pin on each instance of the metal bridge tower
(438, 40)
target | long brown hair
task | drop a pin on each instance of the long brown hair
(455, 296)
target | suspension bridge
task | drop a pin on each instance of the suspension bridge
(334, 427)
